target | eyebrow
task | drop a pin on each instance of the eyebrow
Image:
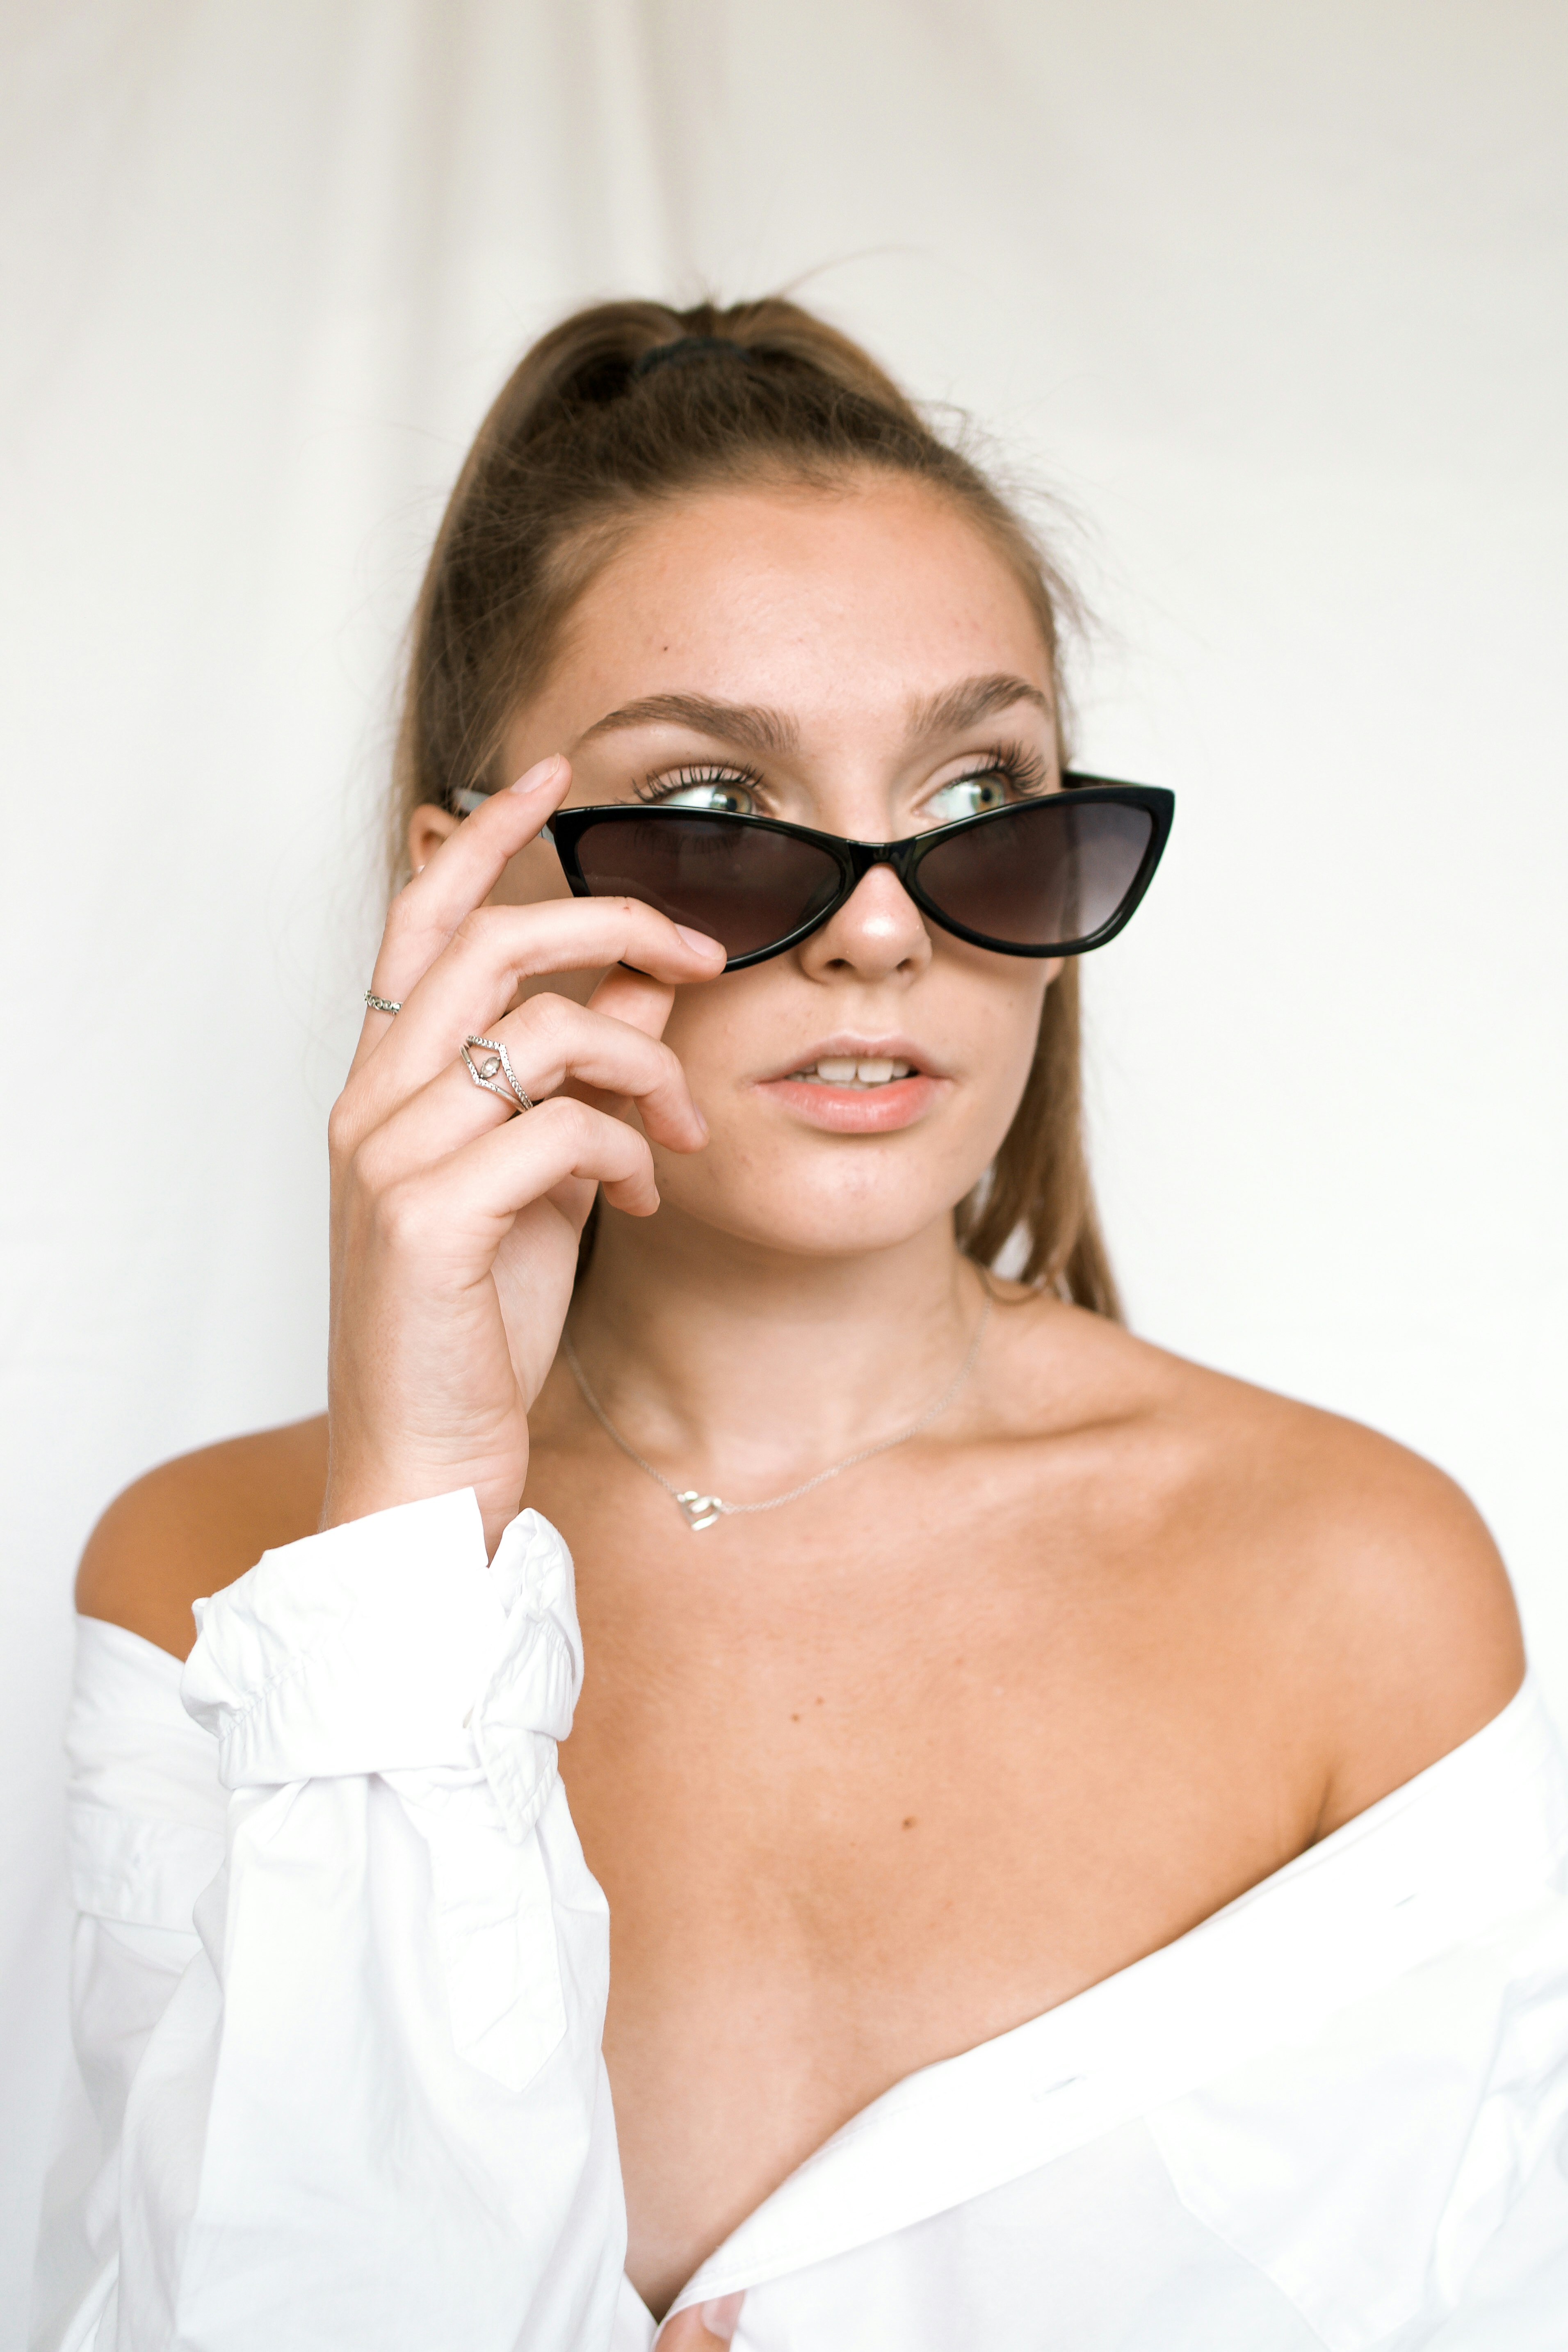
(755, 727)
(974, 698)
(746, 724)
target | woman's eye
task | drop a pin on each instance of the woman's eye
(719, 795)
(968, 796)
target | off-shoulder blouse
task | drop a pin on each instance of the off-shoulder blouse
(340, 1974)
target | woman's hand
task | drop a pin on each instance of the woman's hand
(455, 1222)
(702, 2325)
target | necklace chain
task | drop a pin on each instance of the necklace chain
(701, 1510)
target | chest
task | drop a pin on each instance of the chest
(858, 1803)
(979, 1800)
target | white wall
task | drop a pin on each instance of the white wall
(1273, 296)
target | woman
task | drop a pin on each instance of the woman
(1078, 1865)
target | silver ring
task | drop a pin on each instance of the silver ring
(380, 1003)
(497, 1064)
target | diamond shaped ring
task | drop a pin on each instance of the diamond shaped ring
(494, 1072)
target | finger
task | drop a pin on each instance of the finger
(556, 1043)
(702, 2327)
(494, 949)
(551, 1043)
(460, 876)
(434, 1210)
(464, 870)
(632, 997)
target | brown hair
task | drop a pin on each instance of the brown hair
(603, 418)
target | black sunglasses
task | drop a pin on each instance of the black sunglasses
(1052, 877)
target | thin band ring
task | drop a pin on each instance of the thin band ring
(380, 1003)
(497, 1066)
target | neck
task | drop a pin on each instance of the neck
(725, 1361)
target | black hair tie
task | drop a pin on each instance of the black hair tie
(684, 348)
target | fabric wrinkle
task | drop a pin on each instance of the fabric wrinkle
(340, 1981)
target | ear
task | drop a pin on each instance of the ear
(428, 827)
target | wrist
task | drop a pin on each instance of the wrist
(357, 1488)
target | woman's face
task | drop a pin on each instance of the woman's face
(863, 662)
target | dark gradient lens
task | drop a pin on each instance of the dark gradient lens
(746, 887)
(1049, 875)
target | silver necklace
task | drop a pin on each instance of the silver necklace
(700, 1511)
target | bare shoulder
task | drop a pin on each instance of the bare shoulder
(192, 1526)
(1363, 1584)
(1406, 1622)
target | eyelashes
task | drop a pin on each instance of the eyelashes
(659, 787)
(1017, 764)
(1022, 768)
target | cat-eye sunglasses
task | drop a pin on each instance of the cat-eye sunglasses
(1056, 875)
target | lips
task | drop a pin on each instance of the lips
(859, 1085)
(855, 1058)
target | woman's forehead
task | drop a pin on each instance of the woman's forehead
(798, 604)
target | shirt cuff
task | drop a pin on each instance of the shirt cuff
(390, 1645)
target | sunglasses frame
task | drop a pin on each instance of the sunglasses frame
(855, 859)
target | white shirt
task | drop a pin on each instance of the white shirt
(340, 1981)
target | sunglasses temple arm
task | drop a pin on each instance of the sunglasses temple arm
(464, 800)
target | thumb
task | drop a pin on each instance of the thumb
(703, 2326)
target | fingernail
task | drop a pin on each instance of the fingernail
(702, 942)
(721, 2318)
(542, 773)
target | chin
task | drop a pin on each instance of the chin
(842, 1202)
(810, 1232)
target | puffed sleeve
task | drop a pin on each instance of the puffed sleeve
(371, 2109)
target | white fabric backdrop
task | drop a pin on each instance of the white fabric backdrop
(1273, 297)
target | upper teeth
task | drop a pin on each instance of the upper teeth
(847, 1073)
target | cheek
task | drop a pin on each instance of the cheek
(725, 1031)
(1006, 1027)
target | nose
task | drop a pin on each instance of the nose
(878, 933)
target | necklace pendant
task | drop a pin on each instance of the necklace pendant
(700, 1510)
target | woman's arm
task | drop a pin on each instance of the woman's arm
(373, 2109)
